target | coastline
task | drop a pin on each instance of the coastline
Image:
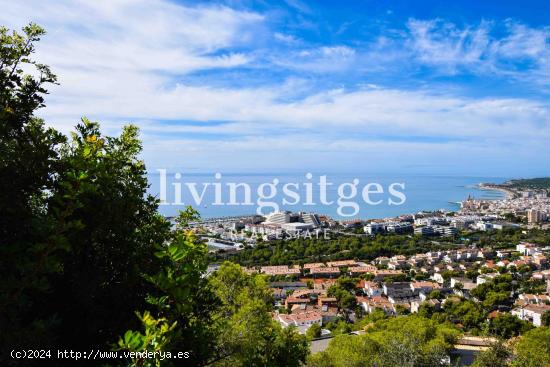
(508, 192)
(423, 193)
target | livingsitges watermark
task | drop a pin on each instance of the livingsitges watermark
(271, 195)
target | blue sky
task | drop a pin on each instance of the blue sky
(431, 87)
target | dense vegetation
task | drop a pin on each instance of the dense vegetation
(539, 183)
(427, 339)
(82, 247)
(531, 350)
(402, 341)
(303, 250)
(76, 226)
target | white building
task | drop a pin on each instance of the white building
(482, 226)
(527, 249)
(302, 321)
(373, 228)
(531, 313)
(278, 218)
(424, 231)
(311, 219)
(484, 278)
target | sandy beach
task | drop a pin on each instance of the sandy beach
(509, 193)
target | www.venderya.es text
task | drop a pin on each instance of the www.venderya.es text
(95, 354)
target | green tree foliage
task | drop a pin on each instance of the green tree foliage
(472, 274)
(77, 227)
(339, 326)
(435, 294)
(507, 326)
(495, 292)
(498, 355)
(468, 313)
(83, 246)
(337, 247)
(539, 183)
(181, 296)
(344, 292)
(426, 310)
(533, 349)
(369, 247)
(29, 153)
(229, 324)
(101, 283)
(369, 319)
(314, 331)
(349, 351)
(155, 338)
(347, 283)
(401, 341)
(401, 310)
(494, 299)
(248, 335)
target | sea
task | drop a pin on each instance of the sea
(410, 194)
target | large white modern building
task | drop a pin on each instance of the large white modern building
(278, 218)
(291, 220)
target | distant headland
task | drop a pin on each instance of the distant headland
(513, 187)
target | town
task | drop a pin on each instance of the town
(275, 183)
(488, 291)
(520, 209)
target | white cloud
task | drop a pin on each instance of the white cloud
(146, 24)
(299, 5)
(337, 51)
(113, 56)
(502, 49)
(323, 59)
(525, 42)
(123, 61)
(443, 44)
(286, 38)
(476, 49)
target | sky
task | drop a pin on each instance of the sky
(420, 87)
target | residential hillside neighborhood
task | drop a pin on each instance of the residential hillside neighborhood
(483, 269)
(400, 285)
(474, 282)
